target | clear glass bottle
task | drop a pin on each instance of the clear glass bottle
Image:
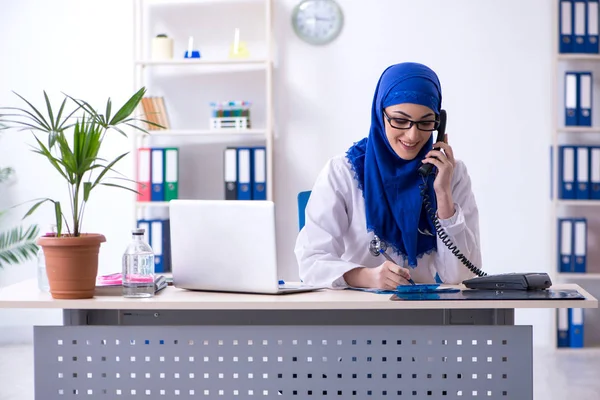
(42, 276)
(138, 267)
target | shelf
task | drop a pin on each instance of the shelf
(579, 57)
(575, 275)
(152, 203)
(587, 203)
(199, 2)
(204, 132)
(579, 129)
(226, 65)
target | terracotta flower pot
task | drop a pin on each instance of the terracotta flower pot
(72, 264)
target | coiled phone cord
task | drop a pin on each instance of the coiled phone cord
(442, 234)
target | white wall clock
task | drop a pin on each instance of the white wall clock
(317, 22)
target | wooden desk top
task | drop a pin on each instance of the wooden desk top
(26, 295)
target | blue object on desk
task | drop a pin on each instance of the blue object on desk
(281, 282)
(195, 54)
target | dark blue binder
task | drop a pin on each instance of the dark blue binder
(592, 27)
(575, 327)
(259, 173)
(565, 245)
(244, 173)
(565, 26)
(585, 100)
(161, 244)
(582, 186)
(571, 98)
(579, 26)
(566, 172)
(562, 327)
(594, 172)
(580, 245)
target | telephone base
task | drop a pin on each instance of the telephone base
(511, 281)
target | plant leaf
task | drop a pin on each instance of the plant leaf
(87, 188)
(108, 109)
(128, 108)
(45, 152)
(119, 186)
(50, 114)
(17, 246)
(42, 119)
(108, 168)
(35, 207)
(58, 215)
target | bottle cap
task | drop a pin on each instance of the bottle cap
(138, 231)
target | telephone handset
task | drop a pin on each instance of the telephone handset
(518, 281)
(425, 170)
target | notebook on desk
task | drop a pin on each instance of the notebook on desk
(226, 245)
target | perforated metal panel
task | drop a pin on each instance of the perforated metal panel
(296, 362)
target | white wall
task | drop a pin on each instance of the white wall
(493, 59)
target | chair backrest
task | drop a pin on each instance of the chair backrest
(302, 201)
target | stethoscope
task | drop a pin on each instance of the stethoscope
(377, 247)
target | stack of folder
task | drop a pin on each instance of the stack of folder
(579, 172)
(578, 26)
(569, 327)
(158, 173)
(578, 98)
(158, 235)
(245, 173)
(155, 112)
(572, 245)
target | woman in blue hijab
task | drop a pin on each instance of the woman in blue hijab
(373, 191)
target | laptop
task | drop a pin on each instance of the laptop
(226, 245)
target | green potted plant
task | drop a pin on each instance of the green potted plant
(72, 147)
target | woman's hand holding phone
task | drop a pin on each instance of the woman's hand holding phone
(442, 157)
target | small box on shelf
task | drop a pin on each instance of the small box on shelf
(230, 115)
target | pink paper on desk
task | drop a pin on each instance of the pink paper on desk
(116, 279)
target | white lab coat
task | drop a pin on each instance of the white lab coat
(335, 240)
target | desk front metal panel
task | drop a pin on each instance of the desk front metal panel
(293, 361)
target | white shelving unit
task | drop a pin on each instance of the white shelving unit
(182, 82)
(576, 135)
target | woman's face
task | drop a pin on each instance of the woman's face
(408, 142)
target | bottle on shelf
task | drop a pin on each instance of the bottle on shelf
(42, 276)
(138, 267)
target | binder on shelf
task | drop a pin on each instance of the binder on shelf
(566, 172)
(579, 245)
(579, 26)
(575, 327)
(259, 183)
(585, 99)
(592, 27)
(571, 96)
(565, 28)
(143, 174)
(583, 175)
(157, 175)
(565, 245)
(230, 173)
(160, 243)
(244, 173)
(562, 327)
(145, 224)
(594, 173)
(171, 173)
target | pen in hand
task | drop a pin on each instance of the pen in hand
(387, 257)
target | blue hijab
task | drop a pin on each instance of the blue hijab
(390, 184)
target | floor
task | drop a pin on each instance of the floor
(565, 374)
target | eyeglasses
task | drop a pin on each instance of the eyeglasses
(403, 123)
